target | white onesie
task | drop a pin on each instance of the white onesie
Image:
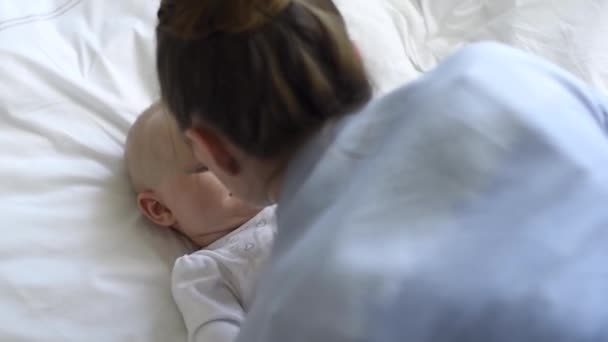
(214, 287)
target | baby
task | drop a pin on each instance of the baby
(212, 287)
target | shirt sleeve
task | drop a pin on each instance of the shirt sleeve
(601, 113)
(210, 309)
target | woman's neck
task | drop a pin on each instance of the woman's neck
(275, 180)
(311, 148)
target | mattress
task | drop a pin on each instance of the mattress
(77, 261)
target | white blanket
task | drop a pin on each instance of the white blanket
(77, 262)
(408, 37)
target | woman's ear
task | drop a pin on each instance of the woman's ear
(155, 210)
(358, 52)
(208, 147)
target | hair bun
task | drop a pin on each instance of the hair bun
(202, 18)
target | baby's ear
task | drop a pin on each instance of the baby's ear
(154, 209)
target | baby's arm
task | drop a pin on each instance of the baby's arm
(210, 309)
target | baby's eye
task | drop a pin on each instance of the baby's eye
(199, 169)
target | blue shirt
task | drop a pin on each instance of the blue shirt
(470, 205)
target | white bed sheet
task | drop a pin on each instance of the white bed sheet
(76, 260)
(571, 33)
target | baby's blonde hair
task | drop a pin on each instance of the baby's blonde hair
(150, 152)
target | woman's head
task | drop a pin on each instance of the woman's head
(250, 80)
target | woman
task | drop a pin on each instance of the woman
(374, 196)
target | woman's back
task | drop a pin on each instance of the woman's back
(465, 207)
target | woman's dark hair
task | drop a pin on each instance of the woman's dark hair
(264, 73)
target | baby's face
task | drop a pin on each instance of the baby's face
(204, 210)
(202, 206)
